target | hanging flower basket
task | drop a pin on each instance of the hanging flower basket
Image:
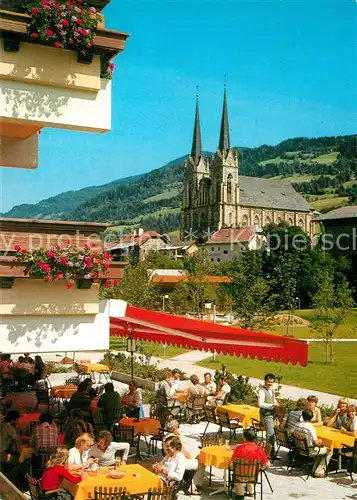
(64, 262)
(62, 23)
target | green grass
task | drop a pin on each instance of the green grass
(162, 196)
(149, 348)
(157, 213)
(175, 235)
(329, 203)
(327, 159)
(322, 159)
(339, 378)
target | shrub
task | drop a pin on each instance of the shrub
(51, 367)
(143, 367)
(241, 390)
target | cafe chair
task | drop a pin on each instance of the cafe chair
(258, 427)
(217, 440)
(154, 440)
(112, 415)
(245, 471)
(195, 408)
(268, 450)
(43, 397)
(280, 413)
(109, 493)
(283, 440)
(44, 456)
(225, 422)
(304, 453)
(210, 417)
(349, 457)
(34, 488)
(126, 434)
(72, 381)
(167, 493)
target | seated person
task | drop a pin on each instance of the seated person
(78, 455)
(110, 399)
(249, 449)
(312, 405)
(56, 470)
(104, 449)
(209, 385)
(173, 465)
(45, 434)
(81, 400)
(167, 390)
(351, 425)
(6, 365)
(339, 417)
(314, 444)
(222, 390)
(10, 440)
(132, 400)
(295, 416)
(176, 377)
(195, 389)
(28, 358)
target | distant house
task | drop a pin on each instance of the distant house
(178, 249)
(167, 279)
(339, 228)
(134, 247)
(228, 243)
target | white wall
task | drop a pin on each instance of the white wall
(40, 334)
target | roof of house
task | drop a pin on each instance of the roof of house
(130, 240)
(232, 234)
(176, 245)
(340, 213)
(267, 193)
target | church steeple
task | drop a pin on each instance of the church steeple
(196, 151)
(224, 140)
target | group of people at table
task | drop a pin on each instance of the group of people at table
(89, 453)
(25, 371)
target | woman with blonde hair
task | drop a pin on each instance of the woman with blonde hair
(340, 415)
(78, 455)
(351, 425)
(57, 470)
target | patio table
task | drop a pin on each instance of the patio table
(137, 480)
(181, 396)
(245, 413)
(146, 426)
(94, 367)
(63, 391)
(334, 439)
(216, 456)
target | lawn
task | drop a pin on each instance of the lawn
(149, 348)
(326, 159)
(339, 378)
(329, 203)
(162, 196)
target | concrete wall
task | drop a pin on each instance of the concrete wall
(17, 152)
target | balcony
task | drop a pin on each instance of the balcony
(44, 86)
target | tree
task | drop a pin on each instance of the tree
(332, 303)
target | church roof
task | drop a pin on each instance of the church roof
(268, 193)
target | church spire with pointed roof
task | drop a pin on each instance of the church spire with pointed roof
(196, 151)
(224, 139)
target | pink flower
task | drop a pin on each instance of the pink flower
(56, 6)
(17, 248)
(34, 11)
(24, 251)
(51, 253)
(64, 261)
(111, 66)
(65, 22)
(49, 33)
(48, 278)
(88, 262)
(106, 264)
(79, 22)
(44, 2)
(47, 8)
(69, 286)
(57, 44)
(85, 32)
(92, 10)
(60, 276)
(63, 14)
(107, 256)
(34, 35)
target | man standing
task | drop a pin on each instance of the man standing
(267, 404)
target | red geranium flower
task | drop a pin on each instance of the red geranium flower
(79, 22)
(69, 286)
(49, 32)
(34, 35)
(65, 22)
(51, 253)
(60, 276)
(17, 248)
(24, 251)
(114, 282)
(57, 44)
(34, 11)
(64, 261)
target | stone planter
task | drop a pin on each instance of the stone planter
(141, 382)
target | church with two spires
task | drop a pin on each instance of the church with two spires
(219, 204)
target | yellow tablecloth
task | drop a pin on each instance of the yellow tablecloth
(217, 456)
(181, 396)
(94, 367)
(145, 426)
(333, 438)
(63, 391)
(134, 485)
(245, 413)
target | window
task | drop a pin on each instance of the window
(219, 249)
(212, 248)
(225, 251)
(212, 260)
(229, 188)
(218, 259)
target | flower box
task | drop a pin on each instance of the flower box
(17, 5)
(84, 284)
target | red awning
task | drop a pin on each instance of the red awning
(160, 327)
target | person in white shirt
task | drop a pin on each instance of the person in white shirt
(351, 426)
(267, 404)
(173, 465)
(104, 449)
(209, 385)
(314, 444)
(223, 389)
(78, 455)
(176, 378)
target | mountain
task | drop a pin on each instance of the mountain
(323, 169)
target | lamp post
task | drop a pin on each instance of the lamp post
(298, 302)
(164, 297)
(208, 306)
(131, 347)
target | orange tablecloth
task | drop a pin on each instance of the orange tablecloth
(217, 456)
(181, 396)
(146, 426)
(333, 438)
(134, 485)
(63, 391)
(245, 413)
(25, 419)
(94, 367)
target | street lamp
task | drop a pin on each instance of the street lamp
(164, 297)
(298, 302)
(131, 347)
(208, 306)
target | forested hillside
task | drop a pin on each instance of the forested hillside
(323, 169)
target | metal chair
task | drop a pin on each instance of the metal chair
(308, 454)
(283, 439)
(112, 415)
(349, 455)
(195, 408)
(154, 440)
(280, 412)
(126, 434)
(34, 488)
(217, 440)
(258, 427)
(211, 417)
(109, 493)
(44, 398)
(225, 422)
(245, 471)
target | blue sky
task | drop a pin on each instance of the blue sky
(291, 68)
